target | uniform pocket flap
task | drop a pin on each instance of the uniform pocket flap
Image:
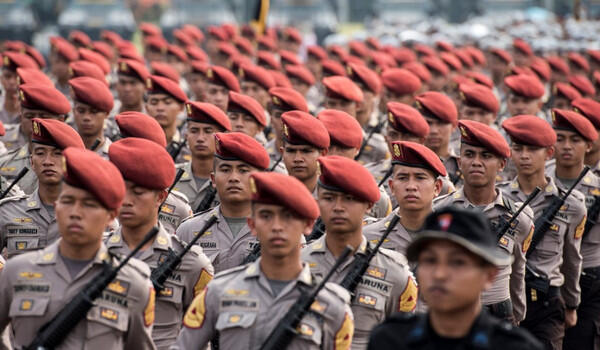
(231, 319)
(28, 306)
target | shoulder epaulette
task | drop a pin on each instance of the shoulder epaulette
(180, 196)
(200, 213)
(140, 266)
(509, 204)
(338, 291)
(394, 255)
(13, 198)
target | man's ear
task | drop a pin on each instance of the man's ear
(324, 152)
(438, 186)
(549, 152)
(212, 178)
(251, 225)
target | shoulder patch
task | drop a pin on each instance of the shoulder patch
(339, 291)
(409, 297)
(194, 316)
(580, 228)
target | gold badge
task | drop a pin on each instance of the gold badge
(188, 108)
(123, 67)
(419, 105)
(48, 257)
(234, 318)
(119, 287)
(236, 292)
(26, 305)
(109, 314)
(161, 240)
(241, 72)
(166, 292)
(391, 117)
(115, 239)
(595, 192)
(22, 95)
(286, 132)
(166, 208)
(22, 220)
(64, 165)
(252, 186)
(553, 117)
(318, 307)
(71, 72)
(305, 329)
(312, 265)
(576, 110)
(6, 61)
(21, 245)
(463, 132)
(367, 300)
(276, 100)
(19, 81)
(30, 275)
(462, 96)
(376, 272)
(36, 128)
(149, 83)
(349, 70)
(397, 151)
(209, 73)
(503, 242)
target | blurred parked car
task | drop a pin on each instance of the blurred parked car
(92, 16)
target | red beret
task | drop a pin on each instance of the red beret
(464, 58)
(156, 43)
(582, 84)
(364, 76)
(344, 130)
(316, 51)
(565, 90)
(502, 54)
(239, 146)
(434, 63)
(373, 43)
(230, 30)
(35, 96)
(337, 50)
(259, 75)
(150, 29)
(267, 43)
(596, 77)
(94, 57)
(130, 53)
(136, 124)
(33, 75)
(288, 99)
(541, 68)
(289, 57)
(193, 31)
(80, 38)
(358, 48)
(227, 49)
(64, 48)
(92, 92)
(563, 119)
(133, 69)
(200, 67)
(88, 171)
(301, 73)
(183, 38)
(55, 133)
(438, 105)
(248, 105)
(13, 45)
(520, 127)
(36, 55)
(281, 79)
(331, 67)
(400, 81)
(451, 61)
(222, 76)
(342, 88)
(2, 129)
(481, 135)
(268, 60)
(111, 37)
(244, 45)
(104, 49)
(594, 55)
(13, 60)
(444, 46)
(218, 33)
(589, 109)
(87, 69)
(479, 96)
(161, 85)
(353, 59)
(405, 118)
(348, 176)
(300, 128)
(480, 78)
(579, 61)
(203, 112)
(177, 52)
(417, 156)
(283, 190)
(143, 162)
(196, 53)
(292, 34)
(520, 70)
(558, 64)
(476, 54)
(525, 85)
(522, 46)
(165, 70)
(418, 69)
(424, 50)
(403, 55)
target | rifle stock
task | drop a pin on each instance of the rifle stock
(14, 182)
(500, 232)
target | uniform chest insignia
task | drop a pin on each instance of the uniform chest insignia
(503, 242)
(554, 227)
(376, 272)
(318, 246)
(237, 292)
(31, 204)
(21, 245)
(305, 329)
(234, 318)
(31, 275)
(587, 180)
(564, 207)
(8, 169)
(312, 265)
(595, 192)
(48, 256)
(161, 240)
(318, 306)
(167, 292)
(149, 309)
(115, 239)
(26, 304)
(167, 208)
(109, 314)
(367, 300)
(119, 287)
(22, 220)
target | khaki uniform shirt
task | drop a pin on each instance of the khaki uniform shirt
(187, 281)
(185, 154)
(7, 118)
(398, 239)
(187, 186)
(275, 155)
(451, 165)
(510, 280)
(223, 248)
(175, 209)
(590, 187)
(102, 151)
(241, 307)
(376, 149)
(13, 138)
(387, 287)
(25, 224)
(556, 257)
(35, 286)
(12, 163)
(14, 191)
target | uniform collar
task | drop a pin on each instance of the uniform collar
(253, 271)
(49, 255)
(162, 241)
(33, 201)
(459, 196)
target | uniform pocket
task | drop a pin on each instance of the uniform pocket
(104, 319)
(235, 319)
(25, 306)
(20, 243)
(310, 331)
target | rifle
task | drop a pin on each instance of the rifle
(95, 145)
(14, 182)
(388, 173)
(276, 163)
(376, 129)
(175, 148)
(361, 261)
(178, 176)
(317, 231)
(507, 224)
(56, 330)
(592, 218)
(544, 222)
(284, 333)
(209, 197)
(167, 267)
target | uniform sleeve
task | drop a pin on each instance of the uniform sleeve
(199, 322)
(141, 319)
(572, 260)
(345, 332)
(202, 273)
(5, 295)
(517, 275)
(404, 295)
(183, 232)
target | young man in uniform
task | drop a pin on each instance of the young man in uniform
(524, 96)
(591, 110)
(10, 106)
(370, 84)
(203, 121)
(229, 241)
(62, 52)
(246, 115)
(255, 82)
(399, 85)
(243, 305)
(457, 257)
(483, 154)
(148, 171)
(122, 316)
(28, 222)
(219, 81)
(131, 85)
(554, 265)
(346, 192)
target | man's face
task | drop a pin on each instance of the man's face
(231, 177)
(478, 165)
(477, 114)
(245, 123)
(276, 122)
(518, 105)
(255, 91)
(299, 86)
(365, 109)
(201, 139)
(314, 66)
(341, 105)
(9, 81)
(300, 160)
(151, 54)
(439, 134)
(164, 108)
(140, 205)
(81, 218)
(437, 81)
(28, 114)
(451, 278)
(337, 150)
(392, 135)
(217, 95)
(391, 96)
(89, 120)
(130, 90)
(570, 148)
(341, 212)
(197, 84)
(530, 159)
(414, 188)
(278, 229)
(497, 65)
(180, 66)
(561, 103)
(46, 162)
(521, 59)
(58, 66)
